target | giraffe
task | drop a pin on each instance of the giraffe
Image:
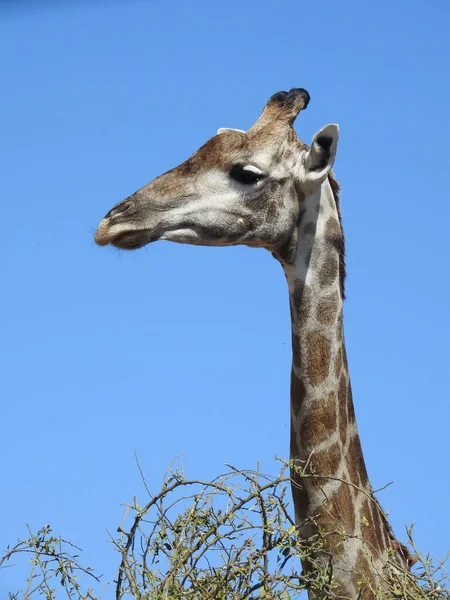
(266, 188)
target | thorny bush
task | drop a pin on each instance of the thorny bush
(231, 538)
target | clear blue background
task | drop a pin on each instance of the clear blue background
(176, 349)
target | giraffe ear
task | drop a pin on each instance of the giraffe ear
(321, 155)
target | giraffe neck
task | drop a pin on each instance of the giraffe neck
(336, 497)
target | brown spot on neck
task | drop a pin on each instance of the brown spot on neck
(361, 575)
(319, 423)
(328, 309)
(333, 233)
(301, 303)
(356, 465)
(326, 463)
(342, 510)
(371, 526)
(298, 394)
(319, 357)
(328, 272)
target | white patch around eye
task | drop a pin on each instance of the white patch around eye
(225, 129)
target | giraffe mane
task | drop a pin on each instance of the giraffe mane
(400, 548)
(336, 189)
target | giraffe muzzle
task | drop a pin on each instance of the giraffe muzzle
(112, 224)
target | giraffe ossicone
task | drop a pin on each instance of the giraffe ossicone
(266, 188)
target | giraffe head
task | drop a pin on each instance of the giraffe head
(239, 188)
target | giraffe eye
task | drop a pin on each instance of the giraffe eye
(246, 174)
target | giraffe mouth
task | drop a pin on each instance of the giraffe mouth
(122, 236)
(132, 240)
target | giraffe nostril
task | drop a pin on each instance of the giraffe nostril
(119, 210)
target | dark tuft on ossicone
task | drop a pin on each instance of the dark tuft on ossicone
(290, 103)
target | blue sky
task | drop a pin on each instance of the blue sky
(176, 349)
